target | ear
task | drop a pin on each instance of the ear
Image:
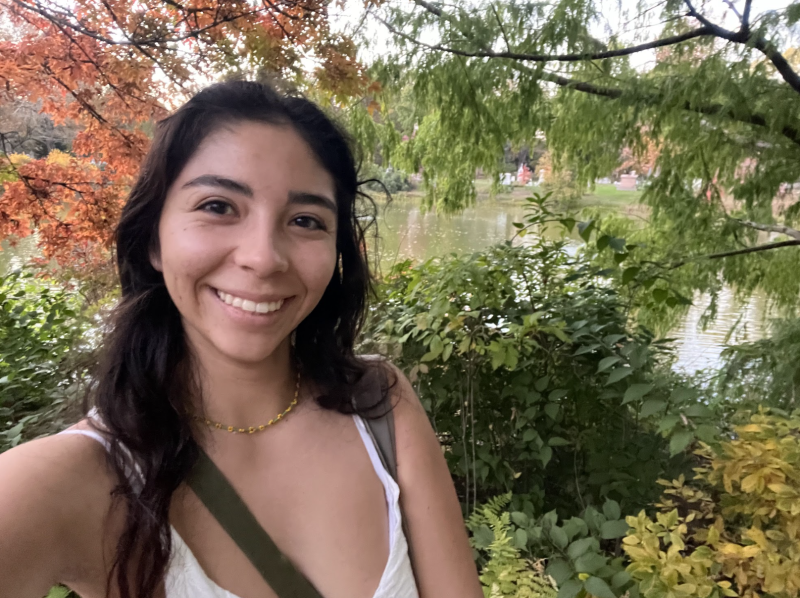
(155, 259)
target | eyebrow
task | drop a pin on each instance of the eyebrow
(311, 199)
(295, 197)
(213, 180)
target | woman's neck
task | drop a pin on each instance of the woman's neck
(245, 394)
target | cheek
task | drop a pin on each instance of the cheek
(318, 269)
(185, 256)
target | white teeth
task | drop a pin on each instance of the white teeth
(264, 307)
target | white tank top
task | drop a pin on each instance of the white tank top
(185, 577)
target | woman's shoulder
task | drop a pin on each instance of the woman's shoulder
(55, 494)
(72, 461)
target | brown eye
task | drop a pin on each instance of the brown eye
(309, 222)
(217, 206)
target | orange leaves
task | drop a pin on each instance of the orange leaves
(71, 204)
(111, 69)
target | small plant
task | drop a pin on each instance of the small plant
(735, 530)
(583, 556)
(506, 574)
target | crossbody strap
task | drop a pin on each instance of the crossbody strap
(227, 507)
(379, 420)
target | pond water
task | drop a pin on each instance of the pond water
(407, 232)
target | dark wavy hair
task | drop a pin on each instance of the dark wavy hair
(145, 378)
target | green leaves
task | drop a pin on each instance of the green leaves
(41, 338)
(619, 374)
(611, 530)
(585, 229)
(607, 362)
(611, 509)
(679, 441)
(518, 407)
(599, 588)
(636, 392)
(558, 537)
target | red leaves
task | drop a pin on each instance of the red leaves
(113, 68)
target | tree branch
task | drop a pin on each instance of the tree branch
(771, 228)
(660, 43)
(151, 41)
(743, 36)
(789, 132)
(429, 7)
(748, 4)
(732, 6)
(724, 254)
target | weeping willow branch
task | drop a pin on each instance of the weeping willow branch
(771, 228)
(724, 254)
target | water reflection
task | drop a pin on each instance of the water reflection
(408, 233)
(735, 323)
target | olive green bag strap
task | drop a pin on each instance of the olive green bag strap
(379, 421)
(227, 507)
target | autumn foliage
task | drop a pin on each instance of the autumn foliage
(112, 68)
(735, 529)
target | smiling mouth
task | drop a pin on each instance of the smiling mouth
(264, 307)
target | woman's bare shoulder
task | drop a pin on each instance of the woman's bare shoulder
(55, 495)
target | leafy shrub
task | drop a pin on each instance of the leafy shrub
(764, 372)
(523, 357)
(583, 552)
(393, 180)
(42, 346)
(735, 529)
(506, 573)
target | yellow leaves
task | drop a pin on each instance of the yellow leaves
(58, 157)
(752, 548)
(753, 483)
(782, 489)
(749, 429)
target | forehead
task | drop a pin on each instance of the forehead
(264, 156)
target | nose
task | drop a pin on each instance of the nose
(261, 250)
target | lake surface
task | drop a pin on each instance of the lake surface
(407, 232)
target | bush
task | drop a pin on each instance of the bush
(506, 573)
(42, 354)
(764, 372)
(735, 529)
(393, 180)
(533, 380)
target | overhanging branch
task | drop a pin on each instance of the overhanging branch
(660, 43)
(791, 133)
(771, 228)
(742, 36)
(724, 254)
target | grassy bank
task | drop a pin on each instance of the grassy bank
(602, 196)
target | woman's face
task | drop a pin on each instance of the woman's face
(247, 240)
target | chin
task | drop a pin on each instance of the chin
(247, 351)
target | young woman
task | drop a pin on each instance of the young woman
(243, 290)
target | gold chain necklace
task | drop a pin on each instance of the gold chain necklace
(252, 430)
